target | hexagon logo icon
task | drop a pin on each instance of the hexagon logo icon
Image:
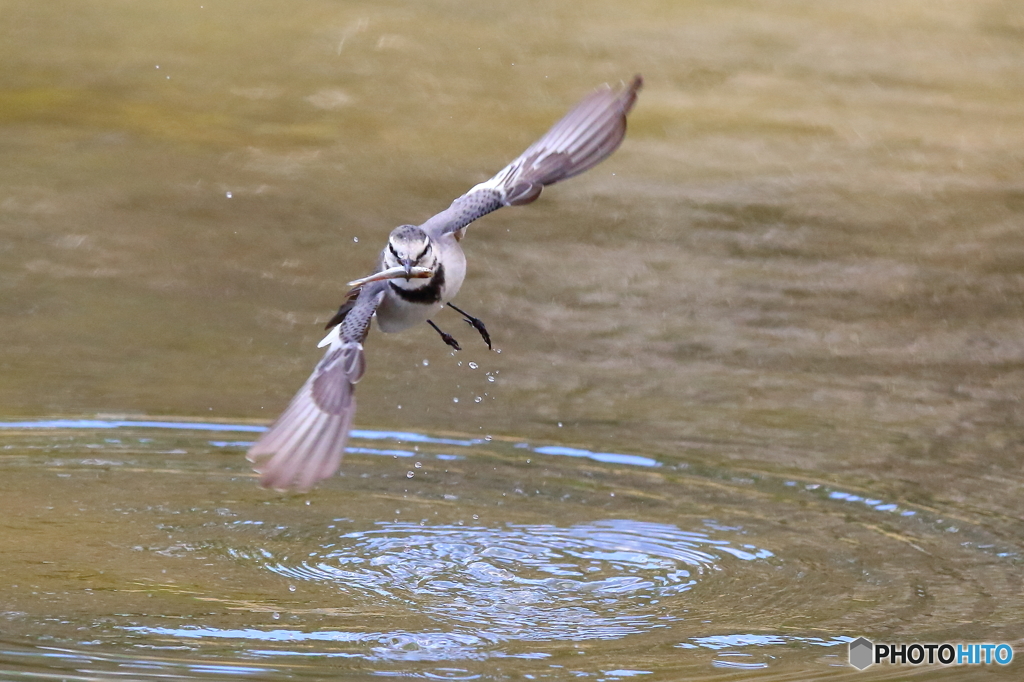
(861, 653)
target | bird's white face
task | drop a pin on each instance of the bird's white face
(409, 247)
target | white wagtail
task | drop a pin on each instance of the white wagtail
(419, 272)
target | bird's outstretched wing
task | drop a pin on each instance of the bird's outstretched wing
(582, 139)
(306, 443)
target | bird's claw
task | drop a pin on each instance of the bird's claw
(478, 325)
(450, 340)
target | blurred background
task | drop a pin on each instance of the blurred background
(804, 265)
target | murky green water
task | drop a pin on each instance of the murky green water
(761, 373)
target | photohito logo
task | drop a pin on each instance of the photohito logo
(864, 652)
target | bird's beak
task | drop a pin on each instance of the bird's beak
(404, 271)
(407, 264)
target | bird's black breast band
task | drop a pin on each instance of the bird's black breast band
(431, 293)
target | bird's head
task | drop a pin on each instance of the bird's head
(409, 247)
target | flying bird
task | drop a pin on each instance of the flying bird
(419, 272)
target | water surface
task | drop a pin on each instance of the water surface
(457, 558)
(760, 380)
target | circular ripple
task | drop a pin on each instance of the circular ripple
(523, 582)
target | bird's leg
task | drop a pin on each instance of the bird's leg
(447, 338)
(475, 322)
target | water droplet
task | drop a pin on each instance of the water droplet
(491, 379)
(473, 365)
(399, 407)
(488, 438)
(408, 474)
(291, 588)
(227, 194)
(476, 517)
(477, 399)
(418, 465)
(355, 239)
(559, 424)
(460, 363)
(497, 350)
(276, 616)
(455, 400)
(426, 362)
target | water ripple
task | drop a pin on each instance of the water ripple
(524, 582)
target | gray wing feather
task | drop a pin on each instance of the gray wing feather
(583, 138)
(306, 443)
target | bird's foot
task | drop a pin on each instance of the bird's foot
(450, 340)
(445, 336)
(477, 324)
(474, 322)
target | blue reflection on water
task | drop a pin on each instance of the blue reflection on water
(877, 505)
(363, 434)
(393, 646)
(116, 424)
(67, 664)
(405, 436)
(737, 641)
(192, 631)
(412, 437)
(607, 457)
